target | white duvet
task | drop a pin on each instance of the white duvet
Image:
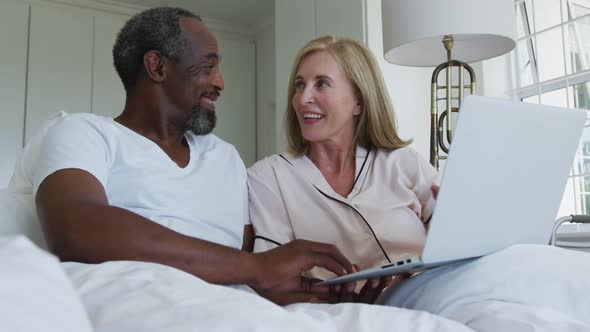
(523, 288)
(134, 296)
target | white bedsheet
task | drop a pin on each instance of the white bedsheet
(523, 288)
(135, 296)
(35, 293)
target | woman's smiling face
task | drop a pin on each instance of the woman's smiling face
(325, 100)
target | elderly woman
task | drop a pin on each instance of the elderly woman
(351, 181)
(348, 179)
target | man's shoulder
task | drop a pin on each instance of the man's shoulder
(211, 142)
(213, 145)
(83, 121)
(88, 117)
(214, 140)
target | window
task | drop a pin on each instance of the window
(552, 66)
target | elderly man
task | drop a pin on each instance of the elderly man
(153, 184)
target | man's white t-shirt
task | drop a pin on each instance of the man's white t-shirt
(207, 199)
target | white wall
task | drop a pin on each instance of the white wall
(497, 80)
(236, 108)
(60, 63)
(294, 26)
(409, 87)
(296, 23)
(13, 38)
(65, 62)
(265, 91)
(107, 99)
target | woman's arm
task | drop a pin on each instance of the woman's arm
(248, 242)
(268, 211)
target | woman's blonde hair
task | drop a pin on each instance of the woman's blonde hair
(376, 124)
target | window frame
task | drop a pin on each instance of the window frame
(567, 81)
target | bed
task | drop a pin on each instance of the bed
(521, 288)
(40, 293)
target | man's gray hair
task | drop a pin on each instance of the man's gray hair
(154, 29)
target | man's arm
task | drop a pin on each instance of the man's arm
(79, 225)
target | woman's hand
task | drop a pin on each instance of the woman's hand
(373, 288)
(369, 292)
(435, 189)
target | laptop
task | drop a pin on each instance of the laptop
(502, 184)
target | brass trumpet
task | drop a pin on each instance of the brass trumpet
(438, 139)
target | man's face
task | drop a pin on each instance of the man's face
(195, 82)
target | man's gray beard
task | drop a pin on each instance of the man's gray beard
(201, 122)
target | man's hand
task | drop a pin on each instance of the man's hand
(280, 269)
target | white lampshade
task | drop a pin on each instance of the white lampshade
(413, 30)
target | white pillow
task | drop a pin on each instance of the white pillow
(18, 217)
(25, 167)
(17, 204)
(36, 294)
